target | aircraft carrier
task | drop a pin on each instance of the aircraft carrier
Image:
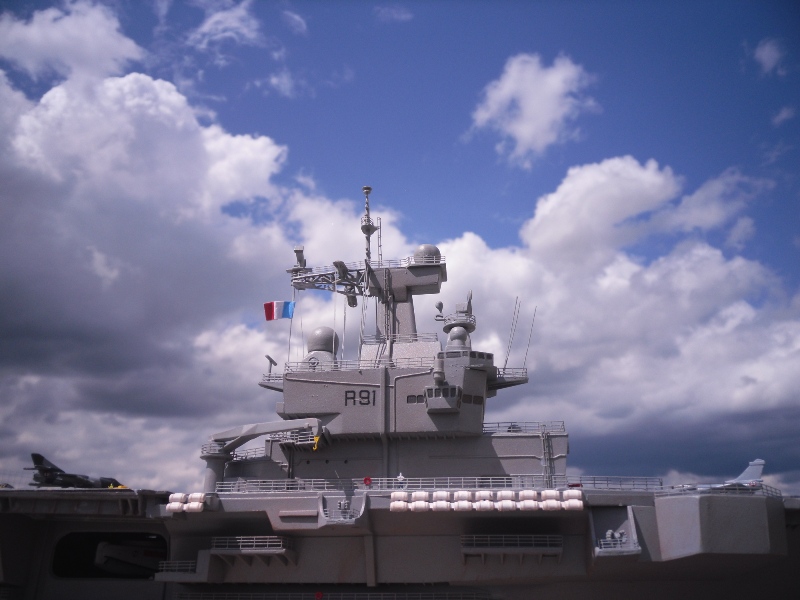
(380, 480)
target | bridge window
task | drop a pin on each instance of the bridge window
(477, 399)
(446, 392)
(411, 399)
(467, 398)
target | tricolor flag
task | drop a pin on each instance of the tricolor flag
(278, 310)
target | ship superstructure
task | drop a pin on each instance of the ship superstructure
(381, 480)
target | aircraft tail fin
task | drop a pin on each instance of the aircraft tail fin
(752, 472)
(41, 464)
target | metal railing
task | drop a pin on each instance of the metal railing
(512, 541)
(525, 427)
(177, 566)
(250, 542)
(459, 319)
(512, 372)
(339, 515)
(400, 338)
(470, 595)
(720, 488)
(621, 544)
(409, 261)
(358, 365)
(616, 483)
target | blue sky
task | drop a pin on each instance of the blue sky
(630, 168)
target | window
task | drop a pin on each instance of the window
(477, 399)
(467, 398)
(411, 399)
(420, 399)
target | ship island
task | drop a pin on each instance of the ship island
(379, 479)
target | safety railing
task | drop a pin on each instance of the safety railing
(525, 427)
(617, 544)
(740, 489)
(512, 541)
(441, 595)
(358, 365)
(177, 566)
(409, 261)
(250, 542)
(400, 338)
(616, 483)
(512, 373)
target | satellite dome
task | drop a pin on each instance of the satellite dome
(323, 339)
(458, 337)
(427, 253)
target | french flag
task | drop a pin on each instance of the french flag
(278, 310)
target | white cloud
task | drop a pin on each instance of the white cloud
(784, 114)
(532, 106)
(743, 230)
(284, 83)
(57, 40)
(294, 22)
(769, 54)
(389, 14)
(235, 25)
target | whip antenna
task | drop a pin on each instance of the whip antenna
(514, 318)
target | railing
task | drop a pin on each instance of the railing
(512, 541)
(525, 427)
(358, 365)
(251, 542)
(177, 566)
(477, 595)
(512, 373)
(249, 486)
(721, 488)
(620, 544)
(617, 483)
(400, 338)
(374, 264)
(271, 377)
(333, 514)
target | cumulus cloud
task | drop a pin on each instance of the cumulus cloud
(56, 41)
(768, 54)
(532, 106)
(130, 304)
(389, 14)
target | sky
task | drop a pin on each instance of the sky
(628, 170)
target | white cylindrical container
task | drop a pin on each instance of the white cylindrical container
(419, 506)
(528, 505)
(398, 506)
(440, 505)
(483, 495)
(174, 507)
(193, 507)
(462, 495)
(506, 495)
(572, 494)
(483, 505)
(178, 498)
(550, 504)
(419, 495)
(505, 505)
(572, 504)
(197, 497)
(551, 495)
(462, 505)
(528, 495)
(441, 495)
(399, 496)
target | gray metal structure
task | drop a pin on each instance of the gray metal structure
(380, 480)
